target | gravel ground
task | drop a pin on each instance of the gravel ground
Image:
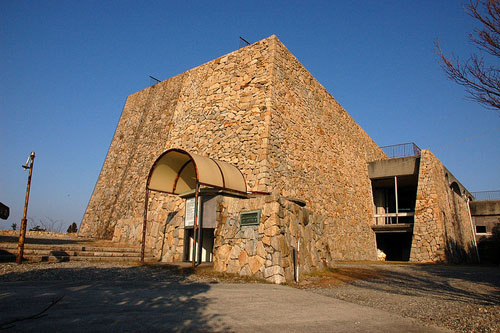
(92, 271)
(460, 298)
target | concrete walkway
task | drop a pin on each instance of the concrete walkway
(187, 306)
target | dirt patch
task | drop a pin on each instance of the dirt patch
(208, 273)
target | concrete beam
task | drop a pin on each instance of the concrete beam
(393, 228)
(394, 167)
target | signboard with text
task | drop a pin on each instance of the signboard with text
(189, 216)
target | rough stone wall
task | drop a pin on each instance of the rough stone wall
(259, 109)
(245, 250)
(442, 228)
(220, 109)
(319, 154)
(138, 140)
(164, 228)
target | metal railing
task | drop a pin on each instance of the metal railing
(401, 150)
(393, 218)
(486, 195)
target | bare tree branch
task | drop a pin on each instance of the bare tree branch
(482, 82)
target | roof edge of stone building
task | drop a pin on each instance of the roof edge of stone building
(272, 38)
(206, 63)
(290, 54)
(451, 178)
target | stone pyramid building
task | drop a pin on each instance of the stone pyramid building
(312, 175)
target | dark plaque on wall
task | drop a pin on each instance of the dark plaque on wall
(250, 218)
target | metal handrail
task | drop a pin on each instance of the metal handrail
(401, 150)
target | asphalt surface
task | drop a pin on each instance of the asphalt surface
(181, 306)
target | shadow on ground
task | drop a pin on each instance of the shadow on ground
(471, 284)
(134, 298)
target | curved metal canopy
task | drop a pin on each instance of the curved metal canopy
(176, 171)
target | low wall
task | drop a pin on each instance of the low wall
(267, 250)
(164, 228)
(39, 234)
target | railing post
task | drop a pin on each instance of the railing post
(396, 194)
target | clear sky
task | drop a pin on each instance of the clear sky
(66, 68)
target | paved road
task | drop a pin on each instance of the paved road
(187, 306)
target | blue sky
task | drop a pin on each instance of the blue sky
(66, 68)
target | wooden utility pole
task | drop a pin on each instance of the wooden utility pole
(22, 233)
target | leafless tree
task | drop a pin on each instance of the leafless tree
(47, 224)
(481, 80)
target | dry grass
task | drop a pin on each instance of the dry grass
(207, 272)
(203, 273)
(332, 277)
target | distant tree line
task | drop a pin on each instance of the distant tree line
(49, 225)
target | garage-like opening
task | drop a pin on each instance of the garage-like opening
(207, 245)
(396, 246)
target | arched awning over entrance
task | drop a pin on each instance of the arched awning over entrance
(177, 171)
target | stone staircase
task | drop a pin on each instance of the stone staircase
(70, 249)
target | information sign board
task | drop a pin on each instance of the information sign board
(189, 216)
(250, 218)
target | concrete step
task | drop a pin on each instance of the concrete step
(95, 251)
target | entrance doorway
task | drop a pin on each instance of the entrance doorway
(207, 245)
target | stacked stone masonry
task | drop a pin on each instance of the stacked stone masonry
(442, 229)
(264, 250)
(259, 109)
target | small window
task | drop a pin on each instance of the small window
(480, 229)
(250, 218)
